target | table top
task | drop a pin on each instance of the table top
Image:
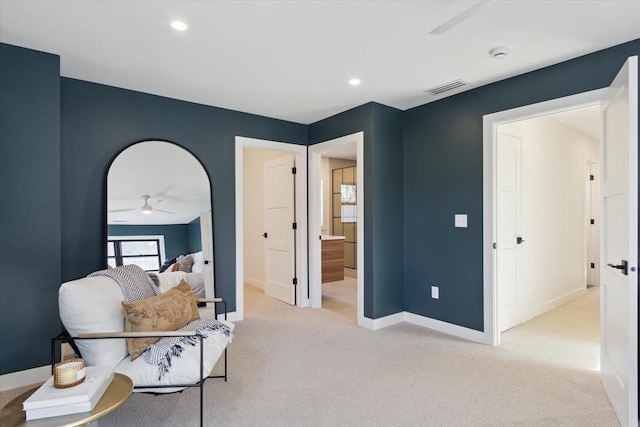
(116, 394)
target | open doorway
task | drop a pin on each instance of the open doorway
(546, 221)
(336, 224)
(619, 236)
(257, 160)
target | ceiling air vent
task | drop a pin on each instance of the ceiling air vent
(435, 91)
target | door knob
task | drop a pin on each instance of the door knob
(519, 240)
(264, 235)
(624, 265)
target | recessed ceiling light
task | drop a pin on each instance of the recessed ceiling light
(179, 25)
(354, 82)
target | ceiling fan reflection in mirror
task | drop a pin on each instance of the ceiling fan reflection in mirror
(146, 208)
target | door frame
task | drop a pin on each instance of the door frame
(491, 334)
(315, 245)
(300, 155)
(589, 161)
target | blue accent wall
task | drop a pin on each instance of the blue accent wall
(58, 137)
(176, 236)
(443, 176)
(99, 121)
(30, 201)
(383, 208)
(195, 238)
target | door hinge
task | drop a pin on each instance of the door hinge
(295, 280)
(294, 170)
(495, 246)
(593, 265)
(593, 221)
(591, 177)
(295, 225)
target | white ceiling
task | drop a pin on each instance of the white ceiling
(174, 179)
(292, 60)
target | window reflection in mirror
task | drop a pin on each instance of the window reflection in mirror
(158, 195)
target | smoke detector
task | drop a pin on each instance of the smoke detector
(500, 52)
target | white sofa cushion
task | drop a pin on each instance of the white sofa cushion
(93, 304)
(184, 369)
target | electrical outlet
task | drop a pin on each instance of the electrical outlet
(435, 292)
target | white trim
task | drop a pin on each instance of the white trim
(160, 237)
(259, 284)
(425, 322)
(490, 124)
(315, 250)
(383, 322)
(232, 316)
(300, 153)
(555, 303)
(445, 327)
(26, 377)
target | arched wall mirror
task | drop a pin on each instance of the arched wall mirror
(159, 215)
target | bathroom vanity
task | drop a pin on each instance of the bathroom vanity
(332, 258)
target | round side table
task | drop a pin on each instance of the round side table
(116, 394)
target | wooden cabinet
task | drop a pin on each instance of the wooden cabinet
(332, 259)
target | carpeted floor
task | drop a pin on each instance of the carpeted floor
(340, 297)
(315, 367)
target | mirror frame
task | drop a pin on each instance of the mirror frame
(105, 231)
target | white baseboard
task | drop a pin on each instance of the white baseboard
(383, 322)
(426, 322)
(554, 303)
(26, 377)
(232, 316)
(365, 322)
(253, 282)
(445, 327)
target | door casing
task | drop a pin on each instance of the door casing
(300, 153)
(315, 268)
(491, 334)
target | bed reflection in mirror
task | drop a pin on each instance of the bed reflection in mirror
(159, 215)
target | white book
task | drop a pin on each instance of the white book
(74, 408)
(47, 395)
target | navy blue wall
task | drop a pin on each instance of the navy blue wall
(100, 121)
(382, 169)
(59, 135)
(443, 176)
(30, 201)
(195, 238)
(176, 236)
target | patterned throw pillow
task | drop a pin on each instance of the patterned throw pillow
(168, 311)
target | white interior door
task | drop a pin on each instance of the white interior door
(206, 237)
(279, 216)
(619, 279)
(509, 227)
(593, 225)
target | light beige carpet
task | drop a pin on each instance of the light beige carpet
(314, 367)
(340, 297)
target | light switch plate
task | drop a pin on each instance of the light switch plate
(435, 292)
(461, 220)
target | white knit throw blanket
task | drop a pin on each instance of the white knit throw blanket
(135, 285)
